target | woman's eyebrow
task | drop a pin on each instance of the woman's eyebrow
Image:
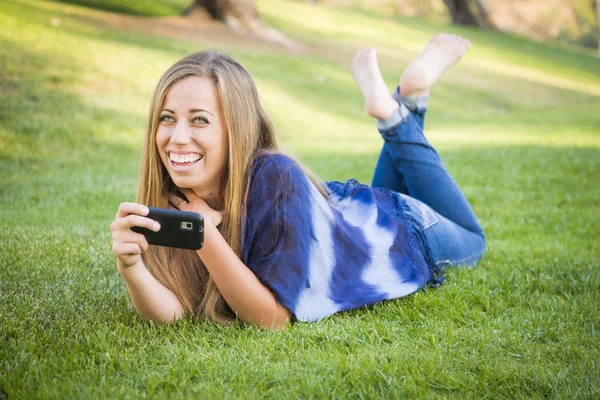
(193, 110)
(200, 109)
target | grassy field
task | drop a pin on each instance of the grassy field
(516, 122)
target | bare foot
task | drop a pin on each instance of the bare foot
(365, 70)
(441, 52)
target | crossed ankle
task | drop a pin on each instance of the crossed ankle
(395, 118)
(413, 103)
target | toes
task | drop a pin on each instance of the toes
(445, 38)
(358, 55)
(463, 42)
(452, 42)
(366, 53)
(364, 57)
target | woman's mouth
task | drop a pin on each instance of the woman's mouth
(184, 161)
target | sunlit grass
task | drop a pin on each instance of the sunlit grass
(404, 37)
(135, 7)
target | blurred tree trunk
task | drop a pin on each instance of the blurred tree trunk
(241, 16)
(596, 5)
(242, 10)
(462, 14)
(484, 16)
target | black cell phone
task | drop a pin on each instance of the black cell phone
(181, 229)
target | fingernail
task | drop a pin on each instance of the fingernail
(157, 226)
(145, 210)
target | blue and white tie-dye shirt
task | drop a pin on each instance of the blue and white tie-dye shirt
(322, 256)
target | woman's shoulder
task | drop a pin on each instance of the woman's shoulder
(275, 169)
(277, 187)
(273, 161)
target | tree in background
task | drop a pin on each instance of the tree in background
(596, 6)
(574, 20)
(462, 13)
(567, 21)
(241, 16)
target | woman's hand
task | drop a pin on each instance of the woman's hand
(196, 204)
(127, 244)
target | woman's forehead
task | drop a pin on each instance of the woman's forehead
(194, 92)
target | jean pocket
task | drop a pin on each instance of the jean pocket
(428, 216)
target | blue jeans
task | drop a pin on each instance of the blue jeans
(409, 166)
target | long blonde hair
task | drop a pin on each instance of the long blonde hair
(250, 133)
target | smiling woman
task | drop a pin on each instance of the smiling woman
(192, 142)
(279, 243)
(205, 128)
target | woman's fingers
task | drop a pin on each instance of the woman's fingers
(132, 214)
(127, 244)
(175, 200)
(127, 249)
(186, 192)
(135, 220)
(131, 208)
(129, 236)
(121, 227)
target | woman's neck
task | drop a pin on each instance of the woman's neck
(212, 198)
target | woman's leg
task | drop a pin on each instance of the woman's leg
(423, 172)
(449, 243)
(386, 174)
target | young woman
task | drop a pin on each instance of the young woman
(280, 244)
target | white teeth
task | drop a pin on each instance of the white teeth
(184, 158)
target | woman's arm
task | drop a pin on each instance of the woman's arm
(150, 297)
(152, 300)
(251, 300)
(245, 294)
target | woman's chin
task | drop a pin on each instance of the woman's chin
(182, 183)
(188, 184)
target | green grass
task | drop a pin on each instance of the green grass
(149, 8)
(516, 122)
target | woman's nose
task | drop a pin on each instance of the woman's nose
(182, 134)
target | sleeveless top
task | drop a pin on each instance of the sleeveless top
(320, 256)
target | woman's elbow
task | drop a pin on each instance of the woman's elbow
(280, 321)
(280, 326)
(163, 318)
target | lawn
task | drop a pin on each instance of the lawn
(516, 122)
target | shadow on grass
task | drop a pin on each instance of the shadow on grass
(55, 157)
(152, 8)
(319, 84)
(55, 160)
(505, 47)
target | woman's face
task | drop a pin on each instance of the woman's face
(191, 136)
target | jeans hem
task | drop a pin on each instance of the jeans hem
(394, 119)
(413, 103)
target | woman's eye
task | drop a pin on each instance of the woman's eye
(168, 118)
